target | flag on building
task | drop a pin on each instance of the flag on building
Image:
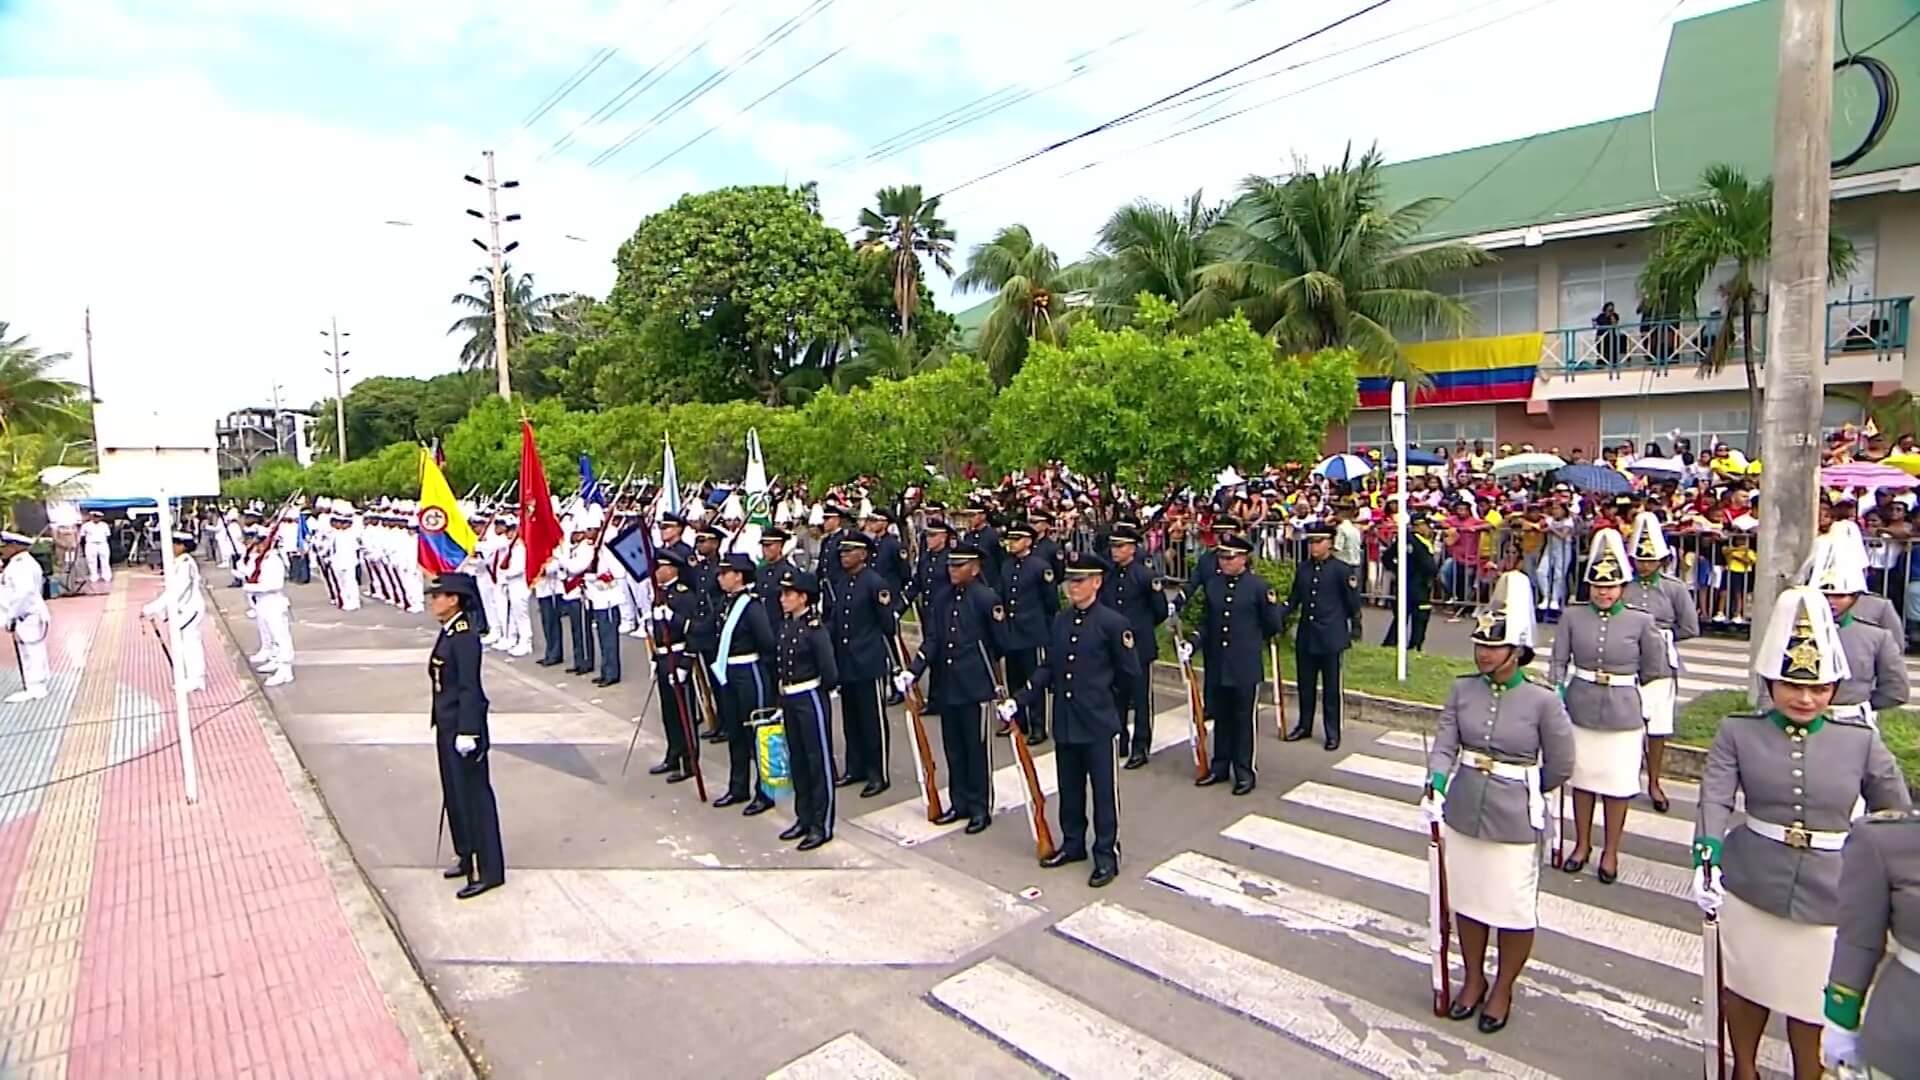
(539, 526)
(445, 537)
(592, 491)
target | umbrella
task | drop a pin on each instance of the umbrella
(1598, 479)
(1865, 474)
(1906, 463)
(1527, 464)
(1417, 456)
(1342, 467)
(1664, 467)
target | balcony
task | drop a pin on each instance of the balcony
(1866, 329)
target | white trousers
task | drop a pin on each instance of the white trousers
(636, 597)
(33, 662)
(99, 562)
(274, 616)
(193, 655)
(518, 634)
(416, 586)
(492, 598)
(349, 586)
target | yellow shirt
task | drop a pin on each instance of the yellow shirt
(1740, 559)
(1487, 535)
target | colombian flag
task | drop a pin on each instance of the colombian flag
(445, 537)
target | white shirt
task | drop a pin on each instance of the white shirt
(604, 583)
(271, 576)
(512, 568)
(20, 584)
(574, 564)
(183, 603)
(96, 534)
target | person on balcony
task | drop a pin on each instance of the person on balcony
(1606, 335)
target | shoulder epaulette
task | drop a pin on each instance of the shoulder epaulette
(458, 626)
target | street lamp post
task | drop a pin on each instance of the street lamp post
(498, 255)
(339, 392)
(279, 444)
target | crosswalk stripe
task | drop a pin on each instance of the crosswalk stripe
(1046, 1026)
(1261, 896)
(848, 1057)
(1677, 949)
(1678, 790)
(1665, 827)
(1352, 1029)
(1654, 876)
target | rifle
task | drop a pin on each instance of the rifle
(1439, 914)
(922, 748)
(1031, 793)
(1196, 706)
(272, 534)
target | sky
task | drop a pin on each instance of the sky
(219, 180)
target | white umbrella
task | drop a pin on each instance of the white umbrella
(1343, 467)
(1658, 466)
(1527, 464)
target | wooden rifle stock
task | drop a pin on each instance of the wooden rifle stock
(1196, 706)
(272, 535)
(922, 748)
(1036, 797)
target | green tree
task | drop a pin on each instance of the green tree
(1031, 301)
(528, 313)
(754, 271)
(1318, 260)
(1151, 248)
(1729, 221)
(880, 355)
(1148, 406)
(31, 398)
(873, 306)
(389, 409)
(894, 427)
(905, 227)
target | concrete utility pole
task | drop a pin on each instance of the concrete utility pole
(498, 255)
(278, 446)
(1796, 298)
(339, 392)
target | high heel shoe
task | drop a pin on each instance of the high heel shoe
(1606, 876)
(1457, 1011)
(1573, 865)
(1490, 1023)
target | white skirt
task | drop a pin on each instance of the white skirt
(1774, 962)
(1657, 705)
(1491, 882)
(1607, 762)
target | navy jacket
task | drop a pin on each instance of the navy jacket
(1092, 665)
(766, 583)
(864, 615)
(930, 581)
(890, 564)
(806, 653)
(1326, 603)
(1239, 613)
(459, 704)
(1135, 592)
(965, 621)
(1029, 585)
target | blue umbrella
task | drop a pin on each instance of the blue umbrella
(1342, 467)
(1416, 456)
(1597, 479)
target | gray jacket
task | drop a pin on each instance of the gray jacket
(1880, 895)
(1623, 642)
(1522, 724)
(1670, 604)
(1809, 779)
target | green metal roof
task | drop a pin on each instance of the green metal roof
(1715, 104)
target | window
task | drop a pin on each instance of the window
(1585, 287)
(1500, 302)
(1433, 428)
(1368, 431)
(1724, 420)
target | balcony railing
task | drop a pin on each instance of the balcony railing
(1867, 326)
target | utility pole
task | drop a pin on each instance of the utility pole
(278, 446)
(1796, 297)
(92, 397)
(498, 254)
(339, 391)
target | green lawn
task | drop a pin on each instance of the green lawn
(1700, 718)
(1370, 669)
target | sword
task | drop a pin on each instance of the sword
(652, 685)
(1439, 917)
(162, 639)
(439, 831)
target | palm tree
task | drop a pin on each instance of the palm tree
(527, 314)
(1730, 220)
(1318, 260)
(906, 227)
(31, 399)
(881, 355)
(1032, 302)
(1148, 247)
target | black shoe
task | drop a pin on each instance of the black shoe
(949, 817)
(475, 888)
(1243, 787)
(1298, 733)
(457, 870)
(895, 698)
(715, 736)
(1332, 743)
(544, 662)
(1490, 1023)
(1661, 804)
(760, 805)
(848, 781)
(873, 788)
(728, 800)
(1572, 865)
(1135, 760)
(599, 681)
(1036, 738)
(678, 775)
(978, 825)
(1102, 877)
(1457, 1011)
(1606, 876)
(814, 840)
(661, 769)
(793, 832)
(1062, 858)
(1209, 780)
(606, 682)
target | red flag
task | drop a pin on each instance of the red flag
(539, 528)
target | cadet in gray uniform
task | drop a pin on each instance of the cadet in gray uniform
(1664, 597)
(1602, 653)
(1879, 897)
(1503, 742)
(1773, 881)
(1872, 607)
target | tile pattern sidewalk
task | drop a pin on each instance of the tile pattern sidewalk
(142, 936)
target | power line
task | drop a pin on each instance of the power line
(1183, 91)
(643, 82)
(569, 86)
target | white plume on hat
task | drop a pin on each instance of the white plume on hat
(1649, 541)
(1802, 644)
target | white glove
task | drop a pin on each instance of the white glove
(903, 681)
(1708, 893)
(662, 613)
(1184, 651)
(465, 745)
(1434, 807)
(1839, 1047)
(1007, 709)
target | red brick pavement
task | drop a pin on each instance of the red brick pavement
(213, 944)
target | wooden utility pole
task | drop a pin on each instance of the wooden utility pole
(1796, 298)
(339, 388)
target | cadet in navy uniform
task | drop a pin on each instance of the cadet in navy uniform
(743, 677)
(1325, 598)
(930, 578)
(1090, 665)
(675, 610)
(672, 528)
(1879, 912)
(981, 535)
(774, 565)
(833, 526)
(887, 559)
(1208, 564)
(1238, 614)
(864, 617)
(807, 674)
(709, 602)
(959, 646)
(1033, 596)
(1132, 590)
(459, 721)
(1044, 544)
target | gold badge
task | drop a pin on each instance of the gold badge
(1484, 624)
(1126, 638)
(459, 626)
(999, 613)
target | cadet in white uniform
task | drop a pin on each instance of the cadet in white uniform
(96, 543)
(1773, 880)
(1664, 597)
(183, 605)
(344, 555)
(510, 567)
(266, 585)
(24, 608)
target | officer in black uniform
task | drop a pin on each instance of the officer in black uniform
(675, 611)
(1208, 564)
(1136, 592)
(930, 579)
(1239, 612)
(1423, 563)
(1046, 545)
(807, 675)
(1032, 593)
(710, 603)
(1327, 600)
(887, 560)
(960, 646)
(1090, 665)
(833, 529)
(743, 680)
(774, 564)
(865, 619)
(459, 721)
(673, 527)
(981, 534)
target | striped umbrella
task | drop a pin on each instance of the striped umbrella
(1342, 467)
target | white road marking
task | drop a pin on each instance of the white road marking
(1260, 896)
(1044, 1025)
(506, 729)
(359, 657)
(1331, 1021)
(1625, 934)
(848, 1057)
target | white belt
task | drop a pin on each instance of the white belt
(1505, 770)
(792, 689)
(1909, 958)
(1860, 711)
(674, 648)
(1606, 678)
(744, 658)
(1797, 837)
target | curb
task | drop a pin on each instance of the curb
(437, 1051)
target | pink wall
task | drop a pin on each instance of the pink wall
(1565, 424)
(1335, 440)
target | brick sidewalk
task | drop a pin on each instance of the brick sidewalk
(141, 936)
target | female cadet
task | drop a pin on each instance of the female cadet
(1664, 597)
(1601, 655)
(1800, 769)
(1879, 896)
(1503, 743)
